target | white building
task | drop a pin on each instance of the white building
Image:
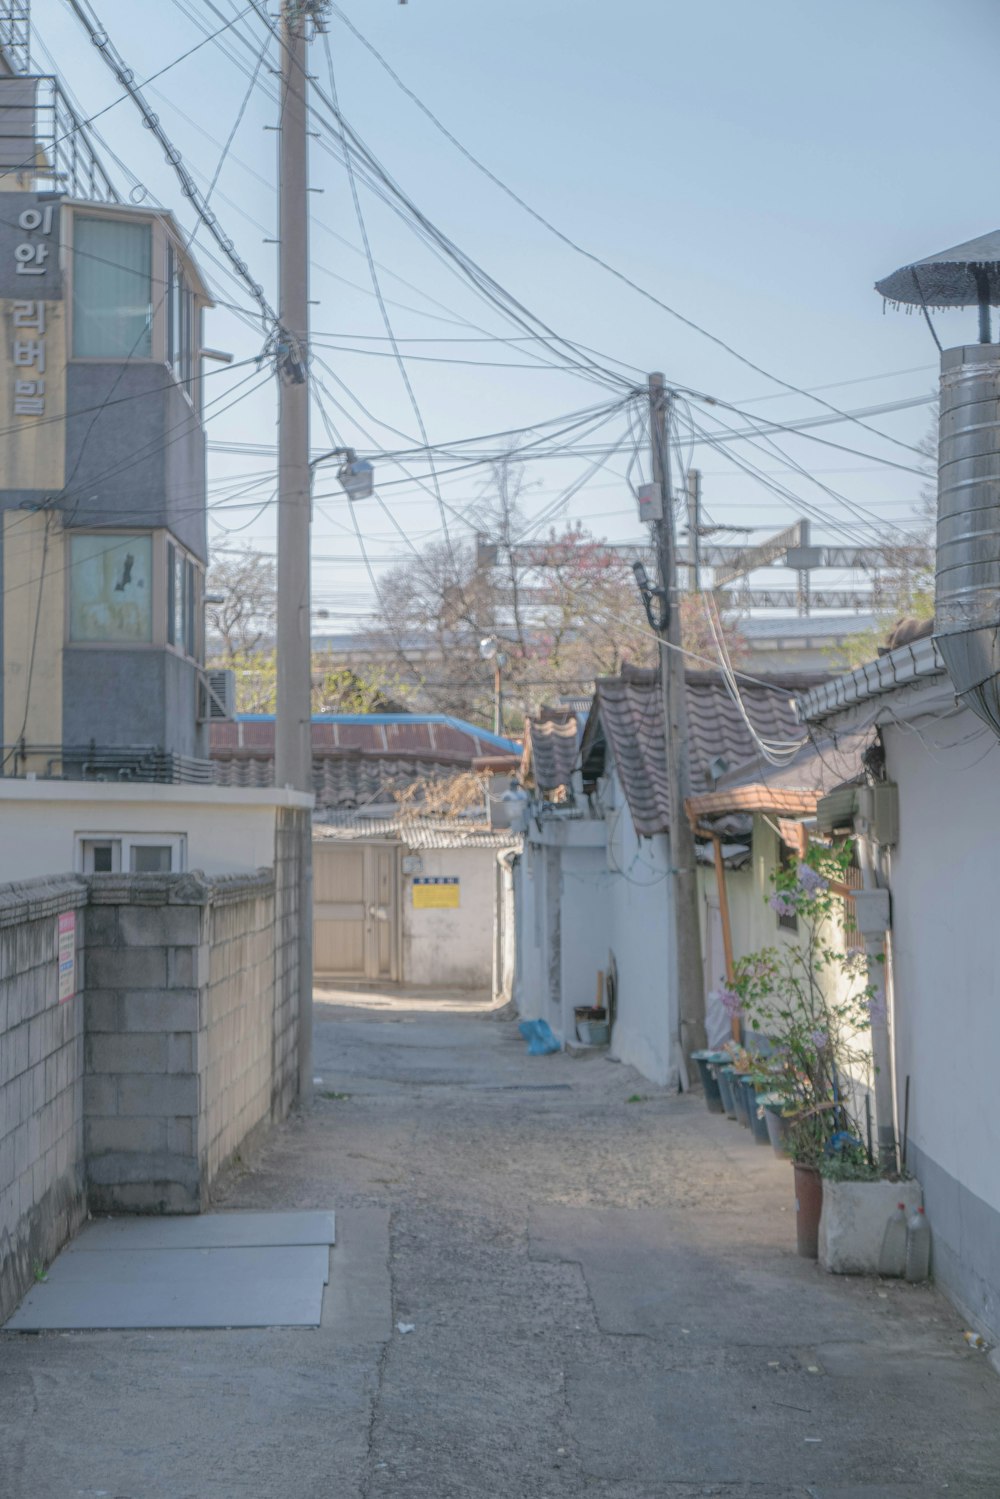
(593, 889)
(944, 951)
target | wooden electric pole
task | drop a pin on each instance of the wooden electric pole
(683, 883)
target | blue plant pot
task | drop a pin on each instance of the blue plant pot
(740, 1099)
(707, 1067)
(757, 1124)
(726, 1089)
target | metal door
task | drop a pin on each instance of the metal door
(356, 910)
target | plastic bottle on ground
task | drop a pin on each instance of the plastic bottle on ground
(892, 1259)
(918, 1247)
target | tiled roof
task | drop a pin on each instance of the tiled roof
(908, 663)
(345, 780)
(359, 759)
(434, 736)
(792, 789)
(550, 748)
(628, 721)
(415, 832)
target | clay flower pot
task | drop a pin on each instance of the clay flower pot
(808, 1207)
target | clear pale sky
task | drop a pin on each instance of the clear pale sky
(755, 166)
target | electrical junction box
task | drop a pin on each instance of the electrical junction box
(878, 809)
(875, 807)
(872, 913)
(650, 497)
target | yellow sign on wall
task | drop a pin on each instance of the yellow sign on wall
(436, 893)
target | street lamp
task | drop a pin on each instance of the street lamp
(356, 475)
(490, 649)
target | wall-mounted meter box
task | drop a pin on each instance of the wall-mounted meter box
(650, 497)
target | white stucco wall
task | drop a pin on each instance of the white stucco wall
(227, 830)
(529, 987)
(452, 949)
(639, 896)
(586, 888)
(945, 966)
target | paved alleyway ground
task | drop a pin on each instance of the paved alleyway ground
(604, 1295)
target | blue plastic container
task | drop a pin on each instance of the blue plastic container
(758, 1123)
(726, 1088)
(707, 1067)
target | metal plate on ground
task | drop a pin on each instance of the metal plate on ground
(193, 1288)
(207, 1231)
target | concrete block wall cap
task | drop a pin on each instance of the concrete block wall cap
(224, 888)
(148, 889)
(33, 900)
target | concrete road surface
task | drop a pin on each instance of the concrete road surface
(604, 1297)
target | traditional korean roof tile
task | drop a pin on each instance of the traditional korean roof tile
(550, 748)
(791, 790)
(360, 759)
(415, 832)
(627, 722)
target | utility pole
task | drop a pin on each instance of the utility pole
(293, 726)
(683, 885)
(694, 525)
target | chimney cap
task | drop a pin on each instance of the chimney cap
(952, 278)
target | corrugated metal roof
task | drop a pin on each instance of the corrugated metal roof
(429, 734)
(415, 833)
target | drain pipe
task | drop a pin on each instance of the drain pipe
(871, 905)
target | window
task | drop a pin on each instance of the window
(181, 319)
(112, 289)
(150, 858)
(136, 853)
(183, 579)
(110, 597)
(101, 855)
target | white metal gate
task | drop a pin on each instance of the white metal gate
(356, 910)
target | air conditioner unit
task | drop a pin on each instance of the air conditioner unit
(216, 695)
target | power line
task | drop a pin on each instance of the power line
(581, 250)
(101, 40)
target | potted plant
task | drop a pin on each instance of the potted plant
(857, 1204)
(810, 1000)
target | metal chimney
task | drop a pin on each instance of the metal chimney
(967, 609)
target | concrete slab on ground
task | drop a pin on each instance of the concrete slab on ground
(206, 1231)
(157, 1288)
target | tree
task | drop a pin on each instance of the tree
(564, 609)
(244, 619)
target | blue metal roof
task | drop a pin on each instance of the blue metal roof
(508, 746)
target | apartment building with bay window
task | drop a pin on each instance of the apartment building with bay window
(102, 491)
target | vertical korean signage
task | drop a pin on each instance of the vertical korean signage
(31, 256)
(67, 955)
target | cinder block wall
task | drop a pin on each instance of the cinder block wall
(238, 1018)
(183, 1012)
(180, 1043)
(147, 961)
(42, 1179)
(292, 951)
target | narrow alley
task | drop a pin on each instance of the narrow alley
(550, 1279)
